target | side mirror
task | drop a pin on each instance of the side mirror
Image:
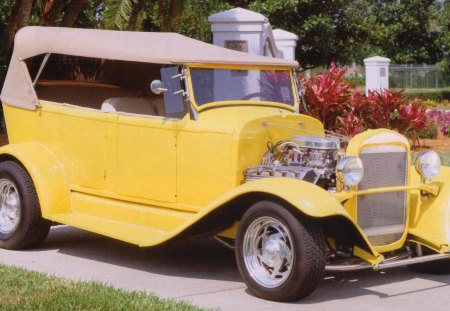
(157, 87)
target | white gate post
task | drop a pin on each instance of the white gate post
(247, 31)
(239, 29)
(377, 73)
(286, 42)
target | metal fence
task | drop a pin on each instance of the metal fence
(417, 76)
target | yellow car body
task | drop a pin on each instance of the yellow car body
(146, 200)
(149, 179)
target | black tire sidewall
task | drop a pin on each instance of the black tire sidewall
(292, 285)
(9, 170)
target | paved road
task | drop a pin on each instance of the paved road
(205, 274)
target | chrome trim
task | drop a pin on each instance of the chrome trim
(9, 207)
(268, 252)
(387, 264)
(388, 209)
(224, 242)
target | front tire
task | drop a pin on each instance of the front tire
(21, 223)
(280, 257)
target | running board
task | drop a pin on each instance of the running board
(387, 264)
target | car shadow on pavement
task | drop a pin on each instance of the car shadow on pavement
(193, 258)
(207, 259)
(383, 284)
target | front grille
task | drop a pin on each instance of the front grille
(382, 216)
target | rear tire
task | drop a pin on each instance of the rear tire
(21, 222)
(280, 257)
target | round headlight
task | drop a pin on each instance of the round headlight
(350, 171)
(428, 164)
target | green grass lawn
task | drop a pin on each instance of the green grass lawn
(24, 290)
(445, 157)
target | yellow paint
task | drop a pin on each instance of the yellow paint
(429, 220)
(230, 232)
(354, 147)
(47, 173)
(145, 180)
(374, 259)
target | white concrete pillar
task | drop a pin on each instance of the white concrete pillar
(239, 29)
(377, 73)
(286, 42)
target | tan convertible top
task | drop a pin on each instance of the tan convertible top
(149, 47)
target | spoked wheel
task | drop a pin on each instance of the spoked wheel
(280, 257)
(9, 207)
(21, 223)
(269, 250)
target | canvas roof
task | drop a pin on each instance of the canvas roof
(149, 47)
(152, 47)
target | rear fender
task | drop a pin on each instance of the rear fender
(46, 172)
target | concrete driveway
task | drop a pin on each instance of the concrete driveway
(204, 273)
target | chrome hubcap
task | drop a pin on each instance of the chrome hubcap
(9, 206)
(268, 252)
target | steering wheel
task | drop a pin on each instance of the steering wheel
(251, 95)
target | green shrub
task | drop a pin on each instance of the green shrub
(356, 81)
(430, 103)
(431, 132)
(436, 95)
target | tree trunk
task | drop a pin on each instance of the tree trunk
(50, 12)
(19, 18)
(72, 12)
(169, 11)
(137, 8)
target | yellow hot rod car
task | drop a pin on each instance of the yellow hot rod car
(151, 137)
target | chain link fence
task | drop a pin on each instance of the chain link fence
(417, 76)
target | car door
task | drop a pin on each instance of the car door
(146, 158)
(147, 147)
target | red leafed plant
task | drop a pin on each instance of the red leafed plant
(329, 99)
(350, 125)
(413, 118)
(384, 104)
(326, 96)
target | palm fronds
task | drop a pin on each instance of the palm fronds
(118, 13)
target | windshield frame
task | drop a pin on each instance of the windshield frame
(199, 108)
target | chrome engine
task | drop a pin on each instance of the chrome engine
(308, 158)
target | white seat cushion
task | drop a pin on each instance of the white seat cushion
(137, 105)
(158, 105)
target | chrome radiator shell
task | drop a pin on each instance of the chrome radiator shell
(382, 216)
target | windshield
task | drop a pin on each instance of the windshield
(218, 85)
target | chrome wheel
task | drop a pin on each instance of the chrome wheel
(268, 252)
(9, 207)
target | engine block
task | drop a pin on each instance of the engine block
(308, 158)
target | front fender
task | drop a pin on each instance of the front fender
(46, 172)
(430, 215)
(309, 199)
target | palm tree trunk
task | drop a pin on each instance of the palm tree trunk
(72, 12)
(19, 18)
(137, 8)
(168, 11)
